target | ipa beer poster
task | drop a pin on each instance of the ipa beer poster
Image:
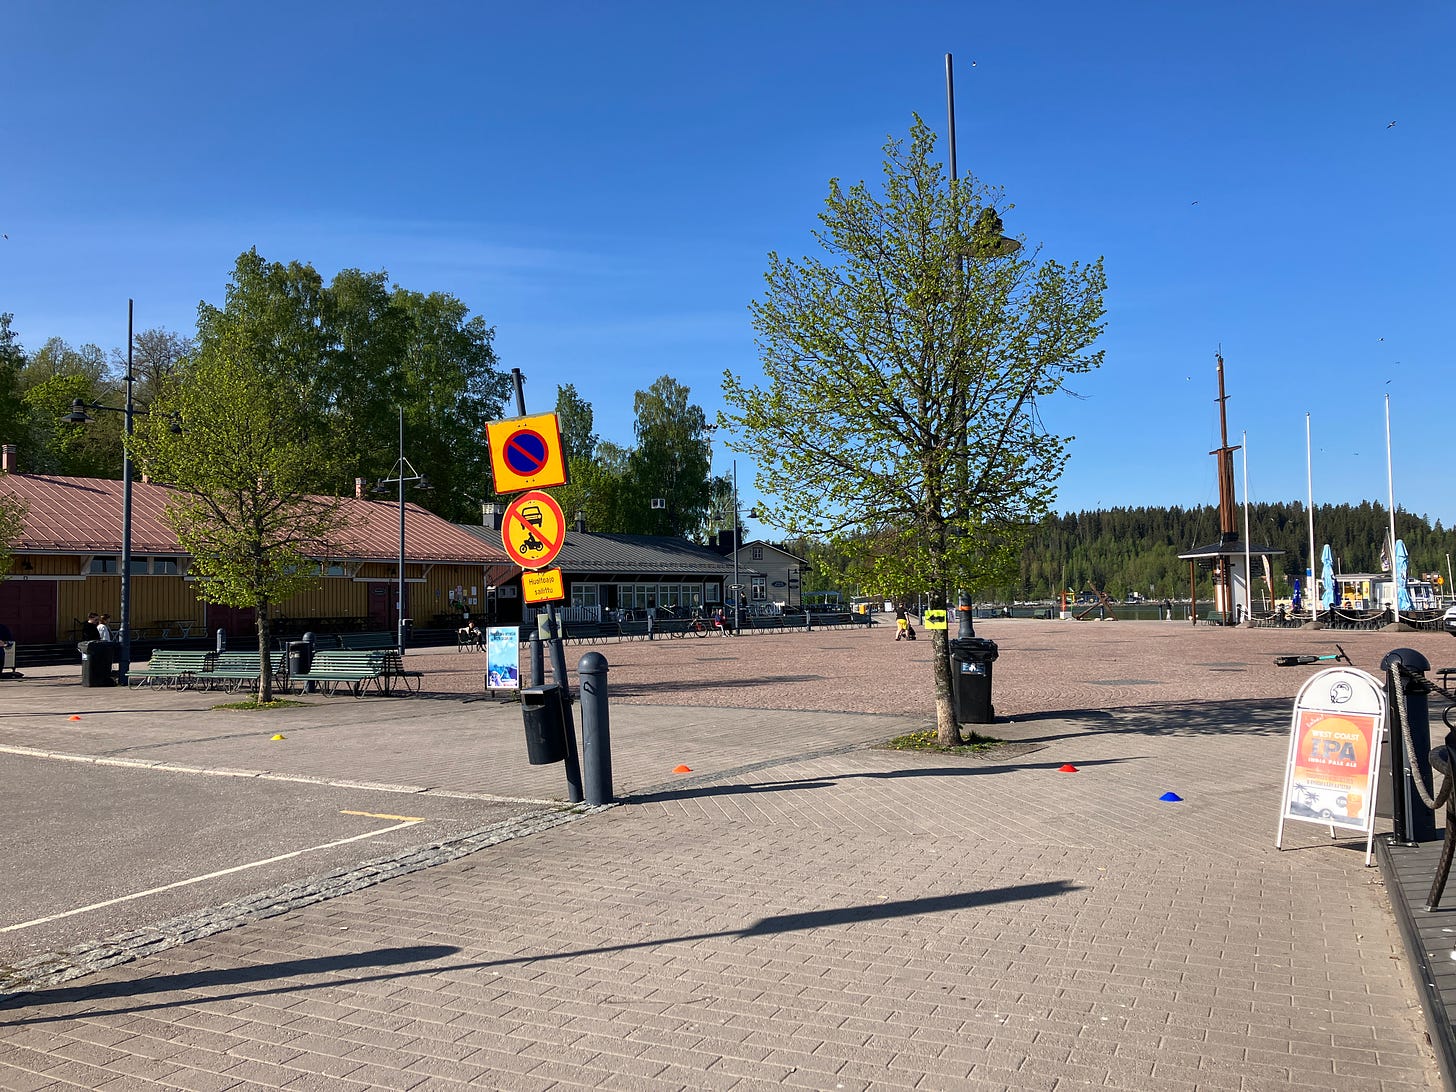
(1334, 753)
(1330, 780)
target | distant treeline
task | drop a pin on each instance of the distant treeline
(1125, 550)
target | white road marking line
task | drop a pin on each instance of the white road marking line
(261, 775)
(209, 876)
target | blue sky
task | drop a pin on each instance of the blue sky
(602, 182)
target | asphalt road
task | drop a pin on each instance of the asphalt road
(91, 841)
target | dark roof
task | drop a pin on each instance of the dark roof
(1227, 549)
(83, 515)
(655, 555)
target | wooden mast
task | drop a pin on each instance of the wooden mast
(1227, 517)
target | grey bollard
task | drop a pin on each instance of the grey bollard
(222, 640)
(596, 736)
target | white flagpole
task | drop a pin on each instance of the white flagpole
(1309, 485)
(1248, 557)
(1390, 489)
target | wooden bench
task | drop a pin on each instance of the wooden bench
(176, 668)
(332, 668)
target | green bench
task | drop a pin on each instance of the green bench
(368, 642)
(231, 670)
(171, 667)
(333, 667)
(394, 671)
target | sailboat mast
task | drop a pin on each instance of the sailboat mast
(1227, 518)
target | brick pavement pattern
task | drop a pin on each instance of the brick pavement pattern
(814, 912)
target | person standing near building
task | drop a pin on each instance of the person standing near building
(7, 652)
(89, 629)
(103, 628)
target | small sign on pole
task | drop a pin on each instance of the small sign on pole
(1334, 754)
(525, 453)
(533, 529)
(933, 619)
(543, 586)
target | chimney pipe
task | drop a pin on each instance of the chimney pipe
(7, 459)
(491, 515)
(359, 488)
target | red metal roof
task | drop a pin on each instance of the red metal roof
(83, 515)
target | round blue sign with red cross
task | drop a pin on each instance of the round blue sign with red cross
(526, 453)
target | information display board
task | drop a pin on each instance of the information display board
(1334, 753)
(502, 658)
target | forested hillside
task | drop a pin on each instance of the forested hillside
(1127, 550)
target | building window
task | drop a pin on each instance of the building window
(759, 590)
(166, 566)
(104, 565)
(584, 595)
(712, 593)
(756, 553)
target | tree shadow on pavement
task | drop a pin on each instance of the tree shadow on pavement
(1250, 716)
(197, 981)
(747, 788)
(697, 686)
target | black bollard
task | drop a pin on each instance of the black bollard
(596, 737)
(1412, 820)
(558, 672)
(538, 674)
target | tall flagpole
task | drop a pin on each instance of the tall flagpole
(1309, 486)
(1390, 489)
(1248, 550)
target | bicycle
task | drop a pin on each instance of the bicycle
(694, 625)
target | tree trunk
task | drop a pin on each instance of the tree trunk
(947, 732)
(265, 669)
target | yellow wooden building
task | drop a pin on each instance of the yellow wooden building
(67, 562)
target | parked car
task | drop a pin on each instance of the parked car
(1448, 621)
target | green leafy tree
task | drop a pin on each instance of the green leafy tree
(243, 471)
(371, 349)
(12, 526)
(903, 374)
(15, 419)
(672, 460)
(574, 415)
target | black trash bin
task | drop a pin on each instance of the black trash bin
(96, 660)
(545, 724)
(970, 668)
(300, 657)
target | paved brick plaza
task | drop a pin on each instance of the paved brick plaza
(804, 909)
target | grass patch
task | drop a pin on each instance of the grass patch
(276, 703)
(927, 740)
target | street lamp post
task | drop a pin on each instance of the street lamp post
(403, 472)
(79, 416)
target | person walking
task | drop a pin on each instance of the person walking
(902, 624)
